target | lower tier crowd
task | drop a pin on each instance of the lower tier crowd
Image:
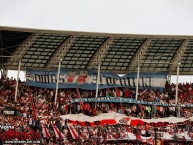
(41, 101)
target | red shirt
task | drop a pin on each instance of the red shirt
(118, 94)
(81, 79)
(70, 79)
(86, 107)
(127, 94)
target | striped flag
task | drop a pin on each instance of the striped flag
(57, 132)
(150, 141)
(109, 137)
(73, 132)
(45, 131)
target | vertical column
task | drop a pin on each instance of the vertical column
(56, 93)
(16, 88)
(97, 85)
(98, 77)
(137, 85)
(176, 99)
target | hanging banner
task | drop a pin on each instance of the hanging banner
(113, 118)
(125, 100)
(87, 79)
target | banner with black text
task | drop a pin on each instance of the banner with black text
(87, 79)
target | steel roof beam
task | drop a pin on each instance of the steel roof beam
(61, 52)
(21, 50)
(100, 53)
(138, 56)
(178, 55)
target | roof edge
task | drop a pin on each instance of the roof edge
(36, 30)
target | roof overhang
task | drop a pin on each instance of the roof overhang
(81, 49)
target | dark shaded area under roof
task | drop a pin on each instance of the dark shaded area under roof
(9, 41)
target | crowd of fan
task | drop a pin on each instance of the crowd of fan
(44, 104)
(108, 132)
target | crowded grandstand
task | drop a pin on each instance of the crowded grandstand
(72, 93)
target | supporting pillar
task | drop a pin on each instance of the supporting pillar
(101, 53)
(98, 79)
(61, 52)
(58, 77)
(16, 88)
(137, 85)
(177, 78)
(178, 55)
(139, 55)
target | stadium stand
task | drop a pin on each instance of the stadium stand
(35, 116)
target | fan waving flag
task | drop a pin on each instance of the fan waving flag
(73, 132)
(57, 132)
(45, 131)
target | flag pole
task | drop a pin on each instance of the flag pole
(58, 75)
(97, 86)
(137, 85)
(176, 99)
(33, 107)
(16, 88)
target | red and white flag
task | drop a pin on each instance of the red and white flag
(150, 141)
(109, 137)
(45, 131)
(73, 132)
(57, 132)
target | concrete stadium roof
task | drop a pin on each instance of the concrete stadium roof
(119, 53)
